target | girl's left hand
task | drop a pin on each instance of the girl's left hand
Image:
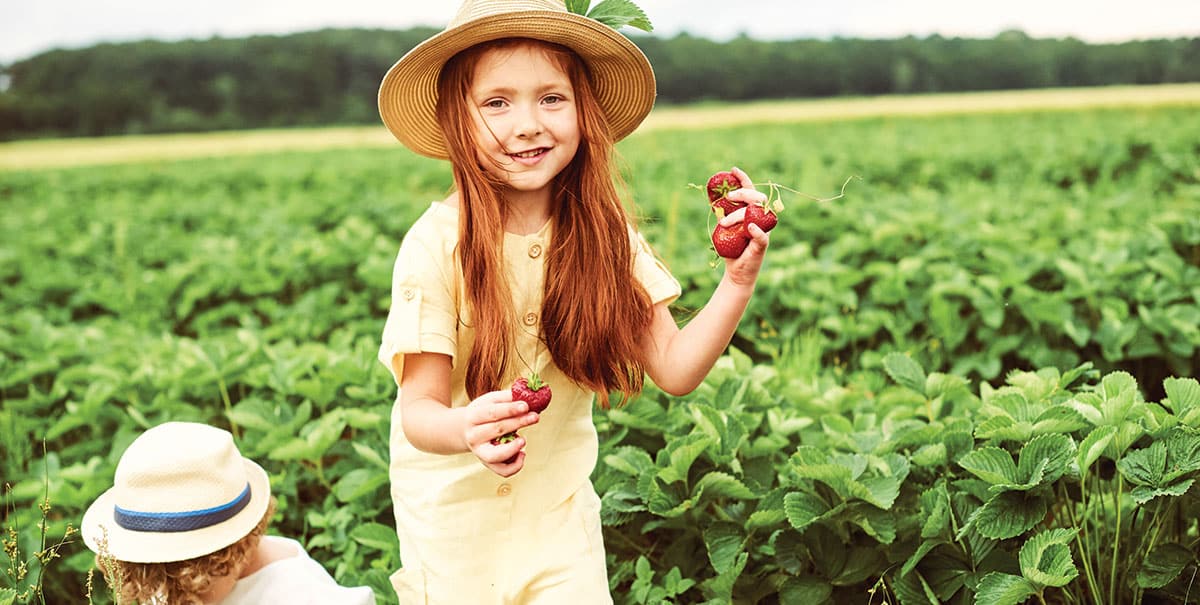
(743, 270)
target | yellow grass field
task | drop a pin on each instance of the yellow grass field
(28, 155)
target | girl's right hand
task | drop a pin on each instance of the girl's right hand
(493, 415)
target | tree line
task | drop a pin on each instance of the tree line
(331, 76)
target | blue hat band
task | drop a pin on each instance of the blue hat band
(181, 521)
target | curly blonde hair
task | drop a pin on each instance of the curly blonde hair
(183, 582)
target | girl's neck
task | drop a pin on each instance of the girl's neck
(526, 212)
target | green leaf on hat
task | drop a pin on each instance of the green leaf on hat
(579, 7)
(613, 13)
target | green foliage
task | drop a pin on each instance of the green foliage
(953, 384)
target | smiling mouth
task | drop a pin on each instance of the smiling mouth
(532, 153)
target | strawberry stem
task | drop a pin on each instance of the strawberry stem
(535, 382)
(774, 185)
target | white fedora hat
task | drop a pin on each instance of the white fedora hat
(182, 490)
(621, 74)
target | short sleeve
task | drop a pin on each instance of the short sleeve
(654, 275)
(423, 314)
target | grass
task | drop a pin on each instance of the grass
(53, 153)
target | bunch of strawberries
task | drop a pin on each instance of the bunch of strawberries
(731, 241)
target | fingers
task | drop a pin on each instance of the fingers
(742, 177)
(734, 217)
(759, 240)
(502, 452)
(484, 414)
(747, 195)
(509, 466)
(485, 432)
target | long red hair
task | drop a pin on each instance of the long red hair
(591, 326)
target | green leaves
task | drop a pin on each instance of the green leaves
(1042, 461)
(1014, 507)
(1046, 558)
(1183, 398)
(1162, 468)
(613, 13)
(906, 372)
(1045, 561)
(1003, 589)
(872, 479)
(1163, 564)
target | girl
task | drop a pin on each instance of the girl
(529, 266)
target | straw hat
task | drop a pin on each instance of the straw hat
(621, 74)
(182, 490)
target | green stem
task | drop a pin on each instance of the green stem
(1112, 579)
(1089, 575)
(954, 528)
(1156, 524)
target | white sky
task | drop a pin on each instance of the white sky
(28, 27)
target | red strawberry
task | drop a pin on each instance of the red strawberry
(718, 186)
(730, 241)
(532, 391)
(762, 216)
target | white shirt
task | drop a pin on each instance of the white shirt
(297, 580)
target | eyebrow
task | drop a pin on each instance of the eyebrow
(510, 91)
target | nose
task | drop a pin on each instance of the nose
(528, 124)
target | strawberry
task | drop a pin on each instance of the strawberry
(762, 216)
(533, 392)
(719, 185)
(730, 241)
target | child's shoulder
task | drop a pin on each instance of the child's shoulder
(436, 227)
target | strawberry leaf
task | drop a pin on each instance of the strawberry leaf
(1183, 397)
(724, 541)
(1046, 558)
(1093, 446)
(905, 371)
(1163, 564)
(579, 7)
(998, 588)
(991, 464)
(1007, 515)
(619, 13)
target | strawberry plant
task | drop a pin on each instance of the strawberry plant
(952, 385)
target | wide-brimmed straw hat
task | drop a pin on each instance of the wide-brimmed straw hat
(621, 74)
(182, 490)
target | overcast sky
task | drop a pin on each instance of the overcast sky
(28, 27)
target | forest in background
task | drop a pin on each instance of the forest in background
(331, 76)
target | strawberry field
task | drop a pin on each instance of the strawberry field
(970, 379)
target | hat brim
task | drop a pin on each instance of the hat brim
(622, 76)
(165, 547)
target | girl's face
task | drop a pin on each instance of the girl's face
(525, 117)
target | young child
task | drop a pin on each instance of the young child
(531, 265)
(185, 523)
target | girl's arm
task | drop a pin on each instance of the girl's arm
(432, 425)
(679, 359)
